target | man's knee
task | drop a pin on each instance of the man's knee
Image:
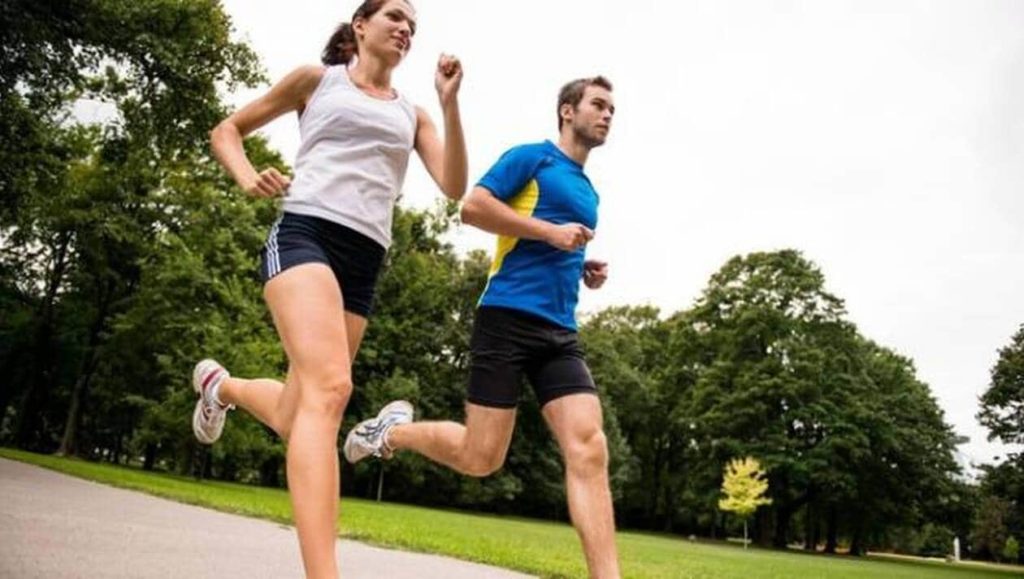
(587, 455)
(483, 464)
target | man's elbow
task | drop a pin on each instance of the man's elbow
(470, 212)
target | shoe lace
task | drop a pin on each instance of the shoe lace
(210, 410)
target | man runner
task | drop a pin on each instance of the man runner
(542, 206)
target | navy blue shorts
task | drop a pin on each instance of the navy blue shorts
(508, 345)
(354, 258)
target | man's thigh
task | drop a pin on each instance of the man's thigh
(502, 344)
(489, 430)
(574, 419)
(561, 371)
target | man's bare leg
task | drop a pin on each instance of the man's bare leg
(576, 422)
(477, 448)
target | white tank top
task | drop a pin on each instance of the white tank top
(352, 157)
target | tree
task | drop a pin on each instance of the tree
(989, 535)
(1011, 550)
(1004, 482)
(907, 474)
(82, 206)
(1002, 405)
(744, 484)
(779, 373)
(774, 376)
(1002, 412)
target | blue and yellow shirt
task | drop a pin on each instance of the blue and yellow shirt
(541, 181)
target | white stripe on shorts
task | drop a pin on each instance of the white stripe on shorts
(273, 256)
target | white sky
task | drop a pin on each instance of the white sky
(884, 139)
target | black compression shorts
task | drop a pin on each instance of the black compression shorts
(508, 344)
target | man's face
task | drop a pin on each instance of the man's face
(592, 118)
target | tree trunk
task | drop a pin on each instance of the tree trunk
(670, 508)
(780, 539)
(832, 532)
(207, 469)
(7, 370)
(857, 543)
(68, 444)
(90, 360)
(269, 472)
(815, 530)
(783, 514)
(811, 528)
(655, 491)
(380, 481)
(40, 381)
(118, 448)
(149, 457)
(763, 527)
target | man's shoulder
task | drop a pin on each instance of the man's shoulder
(527, 150)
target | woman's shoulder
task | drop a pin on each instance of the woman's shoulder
(299, 85)
(306, 75)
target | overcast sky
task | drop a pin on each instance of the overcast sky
(884, 139)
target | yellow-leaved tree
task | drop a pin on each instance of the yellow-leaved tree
(744, 486)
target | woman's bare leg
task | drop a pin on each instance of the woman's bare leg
(274, 402)
(309, 314)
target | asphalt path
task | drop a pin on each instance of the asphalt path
(60, 527)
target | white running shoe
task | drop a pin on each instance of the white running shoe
(368, 437)
(209, 415)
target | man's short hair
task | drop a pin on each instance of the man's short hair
(572, 92)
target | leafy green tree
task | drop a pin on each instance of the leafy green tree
(989, 535)
(763, 324)
(83, 207)
(1005, 482)
(781, 374)
(1002, 412)
(1011, 550)
(908, 474)
(1002, 404)
(200, 296)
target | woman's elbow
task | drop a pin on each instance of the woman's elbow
(223, 133)
(217, 135)
(455, 193)
(217, 130)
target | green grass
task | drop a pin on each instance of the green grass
(545, 549)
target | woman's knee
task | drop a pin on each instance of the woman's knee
(326, 393)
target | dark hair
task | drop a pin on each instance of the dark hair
(572, 92)
(342, 45)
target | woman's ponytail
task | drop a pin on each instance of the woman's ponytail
(341, 46)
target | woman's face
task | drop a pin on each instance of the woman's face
(388, 33)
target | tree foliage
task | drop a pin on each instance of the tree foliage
(1002, 404)
(744, 485)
